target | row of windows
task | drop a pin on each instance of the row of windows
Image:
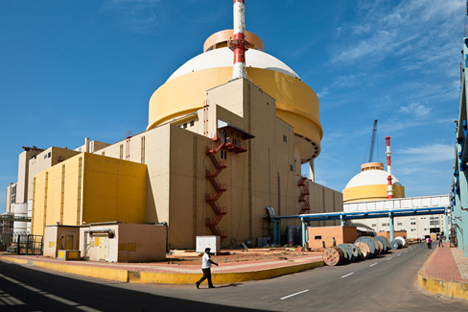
(47, 155)
(192, 123)
(386, 224)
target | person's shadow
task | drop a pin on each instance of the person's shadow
(224, 286)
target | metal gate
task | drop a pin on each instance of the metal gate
(27, 244)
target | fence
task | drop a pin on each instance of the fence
(23, 243)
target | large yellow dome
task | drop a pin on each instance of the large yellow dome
(185, 90)
(371, 184)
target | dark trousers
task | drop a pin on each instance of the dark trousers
(206, 275)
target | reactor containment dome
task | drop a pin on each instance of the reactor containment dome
(185, 91)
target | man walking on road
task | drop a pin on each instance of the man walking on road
(206, 268)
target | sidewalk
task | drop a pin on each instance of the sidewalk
(164, 273)
(445, 273)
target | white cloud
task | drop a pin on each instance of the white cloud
(427, 154)
(323, 93)
(349, 81)
(406, 31)
(416, 109)
(139, 15)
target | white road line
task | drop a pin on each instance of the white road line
(399, 255)
(50, 296)
(301, 292)
(389, 259)
(347, 275)
(373, 264)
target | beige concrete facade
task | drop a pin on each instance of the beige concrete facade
(264, 175)
(123, 242)
(60, 237)
(23, 174)
(91, 146)
(10, 198)
(45, 160)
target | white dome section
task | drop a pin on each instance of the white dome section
(371, 177)
(224, 57)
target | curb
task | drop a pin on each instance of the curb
(145, 277)
(441, 286)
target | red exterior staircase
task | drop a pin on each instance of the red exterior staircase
(302, 198)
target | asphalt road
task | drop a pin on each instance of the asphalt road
(386, 283)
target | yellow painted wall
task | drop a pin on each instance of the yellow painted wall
(114, 190)
(371, 192)
(89, 188)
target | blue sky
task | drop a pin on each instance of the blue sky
(76, 69)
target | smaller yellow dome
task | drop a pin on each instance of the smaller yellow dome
(371, 184)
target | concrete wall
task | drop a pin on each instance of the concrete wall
(45, 160)
(149, 241)
(322, 237)
(123, 242)
(323, 199)
(23, 175)
(89, 188)
(59, 237)
(10, 198)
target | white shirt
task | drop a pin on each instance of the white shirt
(206, 264)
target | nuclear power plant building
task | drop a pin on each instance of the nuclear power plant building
(217, 151)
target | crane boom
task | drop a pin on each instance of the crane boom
(374, 131)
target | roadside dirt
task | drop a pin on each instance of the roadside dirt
(191, 258)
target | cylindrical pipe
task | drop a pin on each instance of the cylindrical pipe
(86, 147)
(389, 168)
(238, 40)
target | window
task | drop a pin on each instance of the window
(45, 156)
(399, 223)
(192, 123)
(374, 225)
(50, 154)
(185, 125)
(223, 154)
(413, 223)
(285, 138)
(291, 167)
(318, 237)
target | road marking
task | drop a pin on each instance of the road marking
(301, 292)
(347, 275)
(389, 259)
(53, 297)
(373, 264)
(406, 251)
(399, 255)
